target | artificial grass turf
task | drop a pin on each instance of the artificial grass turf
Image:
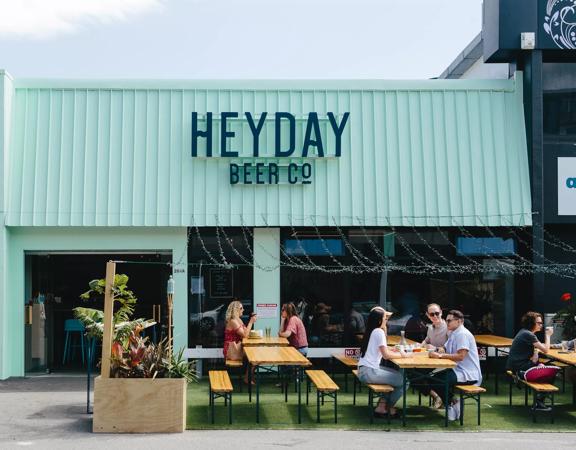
(497, 415)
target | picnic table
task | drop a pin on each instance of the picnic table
(559, 355)
(421, 360)
(352, 362)
(498, 343)
(395, 340)
(272, 341)
(274, 356)
(566, 357)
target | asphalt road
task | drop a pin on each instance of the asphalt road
(50, 413)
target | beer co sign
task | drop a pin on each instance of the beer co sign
(312, 144)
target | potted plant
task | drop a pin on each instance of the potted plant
(142, 388)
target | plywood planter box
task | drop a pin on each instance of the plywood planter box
(139, 405)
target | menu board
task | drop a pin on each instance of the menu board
(221, 283)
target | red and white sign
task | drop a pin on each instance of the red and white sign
(352, 352)
(267, 310)
(482, 353)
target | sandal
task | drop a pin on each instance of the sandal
(437, 403)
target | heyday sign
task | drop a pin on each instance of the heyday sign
(567, 186)
(313, 144)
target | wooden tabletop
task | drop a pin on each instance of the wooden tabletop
(265, 341)
(568, 358)
(346, 360)
(490, 340)
(395, 340)
(275, 356)
(422, 361)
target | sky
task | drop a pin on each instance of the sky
(234, 39)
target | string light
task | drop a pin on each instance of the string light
(367, 264)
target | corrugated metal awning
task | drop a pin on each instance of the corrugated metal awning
(422, 153)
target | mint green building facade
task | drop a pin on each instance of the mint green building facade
(96, 166)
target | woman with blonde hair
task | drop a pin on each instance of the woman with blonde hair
(235, 331)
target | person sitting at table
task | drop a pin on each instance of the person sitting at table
(437, 333)
(292, 328)
(460, 348)
(235, 331)
(435, 339)
(373, 349)
(524, 350)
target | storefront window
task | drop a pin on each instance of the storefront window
(211, 286)
(560, 100)
(335, 304)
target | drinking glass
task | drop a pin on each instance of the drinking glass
(564, 345)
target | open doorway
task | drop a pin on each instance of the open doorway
(54, 282)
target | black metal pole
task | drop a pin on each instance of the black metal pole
(88, 374)
(534, 102)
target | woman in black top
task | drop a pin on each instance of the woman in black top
(522, 353)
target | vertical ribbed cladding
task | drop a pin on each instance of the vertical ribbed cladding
(442, 139)
(163, 155)
(113, 161)
(429, 185)
(108, 157)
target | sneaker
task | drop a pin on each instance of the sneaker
(452, 413)
(540, 406)
(456, 406)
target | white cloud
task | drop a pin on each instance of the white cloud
(47, 18)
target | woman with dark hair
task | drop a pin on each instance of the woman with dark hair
(374, 347)
(523, 352)
(291, 327)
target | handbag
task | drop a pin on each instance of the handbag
(235, 351)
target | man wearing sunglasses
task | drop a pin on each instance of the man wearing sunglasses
(460, 348)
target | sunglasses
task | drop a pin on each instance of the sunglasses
(539, 323)
(436, 313)
(451, 320)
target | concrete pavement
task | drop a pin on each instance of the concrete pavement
(49, 412)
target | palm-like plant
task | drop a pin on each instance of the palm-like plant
(133, 356)
(123, 302)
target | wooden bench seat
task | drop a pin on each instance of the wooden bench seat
(467, 391)
(470, 389)
(374, 391)
(220, 381)
(322, 381)
(236, 367)
(232, 363)
(546, 391)
(541, 387)
(325, 387)
(220, 387)
(380, 388)
(350, 364)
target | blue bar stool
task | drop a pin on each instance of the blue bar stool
(71, 327)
